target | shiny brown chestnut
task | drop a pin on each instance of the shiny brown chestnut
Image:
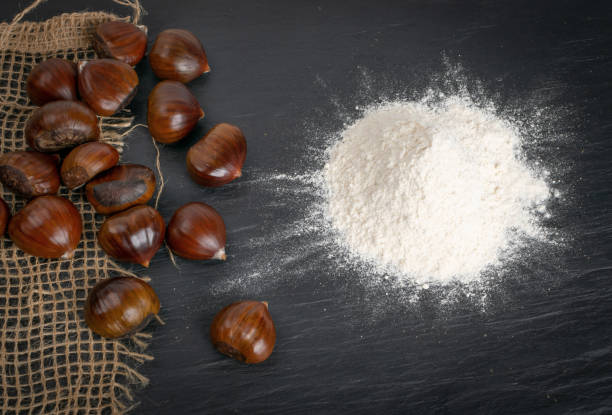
(173, 111)
(197, 231)
(86, 161)
(29, 173)
(52, 80)
(218, 157)
(5, 216)
(177, 54)
(48, 227)
(61, 124)
(134, 235)
(120, 40)
(119, 306)
(244, 331)
(107, 85)
(121, 187)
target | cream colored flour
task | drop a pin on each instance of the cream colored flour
(433, 193)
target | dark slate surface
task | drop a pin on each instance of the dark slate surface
(285, 71)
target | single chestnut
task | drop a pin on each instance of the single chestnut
(86, 161)
(52, 80)
(121, 187)
(173, 111)
(197, 231)
(61, 124)
(244, 331)
(218, 157)
(48, 227)
(134, 235)
(29, 173)
(119, 306)
(5, 216)
(107, 85)
(120, 40)
(177, 54)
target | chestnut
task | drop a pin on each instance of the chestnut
(119, 306)
(244, 331)
(86, 161)
(177, 54)
(120, 40)
(173, 111)
(134, 235)
(5, 215)
(52, 80)
(197, 231)
(48, 227)
(107, 85)
(61, 124)
(29, 173)
(121, 187)
(218, 157)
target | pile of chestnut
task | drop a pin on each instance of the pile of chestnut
(70, 98)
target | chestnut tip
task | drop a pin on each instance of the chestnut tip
(145, 264)
(68, 255)
(201, 113)
(265, 303)
(220, 254)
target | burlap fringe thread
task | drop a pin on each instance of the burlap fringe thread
(50, 362)
(162, 184)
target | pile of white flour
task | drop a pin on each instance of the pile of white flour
(432, 192)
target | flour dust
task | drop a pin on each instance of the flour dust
(413, 195)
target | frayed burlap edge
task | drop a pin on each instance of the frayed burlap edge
(50, 362)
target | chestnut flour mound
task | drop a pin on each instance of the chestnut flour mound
(432, 192)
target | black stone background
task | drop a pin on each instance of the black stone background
(285, 71)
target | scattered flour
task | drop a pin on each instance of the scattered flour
(432, 192)
(479, 185)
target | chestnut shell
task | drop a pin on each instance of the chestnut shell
(120, 40)
(107, 85)
(5, 216)
(197, 231)
(29, 173)
(218, 157)
(48, 227)
(173, 111)
(244, 331)
(119, 306)
(134, 235)
(121, 187)
(86, 161)
(54, 79)
(61, 124)
(177, 54)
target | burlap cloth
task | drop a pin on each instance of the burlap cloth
(50, 362)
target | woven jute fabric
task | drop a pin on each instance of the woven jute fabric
(50, 362)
